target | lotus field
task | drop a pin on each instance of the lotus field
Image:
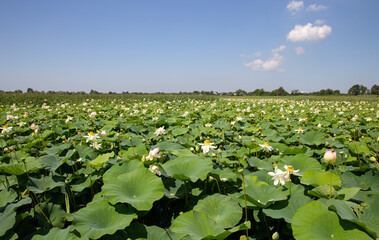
(189, 169)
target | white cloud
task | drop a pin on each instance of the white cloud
(299, 50)
(319, 22)
(309, 33)
(315, 7)
(267, 65)
(295, 6)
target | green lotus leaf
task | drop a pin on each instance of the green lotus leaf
(315, 221)
(18, 168)
(188, 168)
(138, 187)
(179, 131)
(56, 149)
(58, 234)
(300, 162)
(323, 191)
(359, 148)
(364, 182)
(348, 193)
(53, 212)
(8, 217)
(224, 210)
(195, 226)
(50, 162)
(85, 151)
(366, 215)
(261, 193)
(137, 230)
(317, 178)
(100, 160)
(99, 218)
(312, 138)
(7, 196)
(287, 209)
(45, 183)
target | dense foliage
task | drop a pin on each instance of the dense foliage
(189, 169)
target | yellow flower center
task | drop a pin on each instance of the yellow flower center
(91, 134)
(300, 129)
(5, 127)
(290, 169)
(207, 143)
(266, 144)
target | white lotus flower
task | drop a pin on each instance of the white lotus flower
(103, 133)
(279, 176)
(154, 169)
(266, 147)
(239, 118)
(96, 145)
(160, 131)
(21, 123)
(153, 154)
(92, 115)
(5, 129)
(208, 125)
(291, 170)
(206, 146)
(92, 137)
(299, 130)
(69, 118)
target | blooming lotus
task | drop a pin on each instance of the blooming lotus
(154, 169)
(96, 145)
(266, 147)
(5, 129)
(239, 118)
(279, 176)
(160, 131)
(21, 123)
(330, 157)
(153, 154)
(299, 130)
(92, 115)
(69, 118)
(103, 133)
(92, 137)
(208, 125)
(291, 170)
(206, 146)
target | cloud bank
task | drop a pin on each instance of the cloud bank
(309, 33)
(270, 64)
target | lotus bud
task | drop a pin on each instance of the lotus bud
(214, 155)
(240, 170)
(197, 148)
(243, 237)
(192, 149)
(330, 157)
(143, 159)
(275, 236)
(372, 159)
(211, 178)
(219, 150)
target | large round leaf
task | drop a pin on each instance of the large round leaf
(224, 210)
(138, 187)
(99, 218)
(299, 162)
(318, 178)
(315, 221)
(188, 168)
(261, 193)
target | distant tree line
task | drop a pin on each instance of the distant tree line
(354, 90)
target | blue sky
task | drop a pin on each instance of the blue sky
(172, 46)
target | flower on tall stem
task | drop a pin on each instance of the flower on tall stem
(206, 146)
(5, 129)
(160, 131)
(96, 145)
(330, 157)
(153, 154)
(279, 176)
(266, 147)
(92, 137)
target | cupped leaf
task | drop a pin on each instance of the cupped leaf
(312, 138)
(261, 193)
(100, 160)
(7, 196)
(99, 218)
(287, 209)
(188, 168)
(300, 162)
(364, 182)
(318, 178)
(224, 210)
(45, 183)
(315, 221)
(138, 187)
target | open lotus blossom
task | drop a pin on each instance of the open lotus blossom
(103, 133)
(160, 131)
(92, 115)
(154, 169)
(21, 123)
(279, 176)
(155, 118)
(330, 157)
(291, 170)
(266, 147)
(185, 114)
(208, 125)
(206, 146)
(33, 126)
(299, 130)
(5, 129)
(95, 145)
(69, 118)
(232, 122)
(368, 119)
(239, 118)
(92, 137)
(153, 154)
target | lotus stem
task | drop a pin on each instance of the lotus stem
(330, 195)
(218, 186)
(185, 187)
(244, 196)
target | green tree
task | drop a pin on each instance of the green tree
(355, 90)
(375, 90)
